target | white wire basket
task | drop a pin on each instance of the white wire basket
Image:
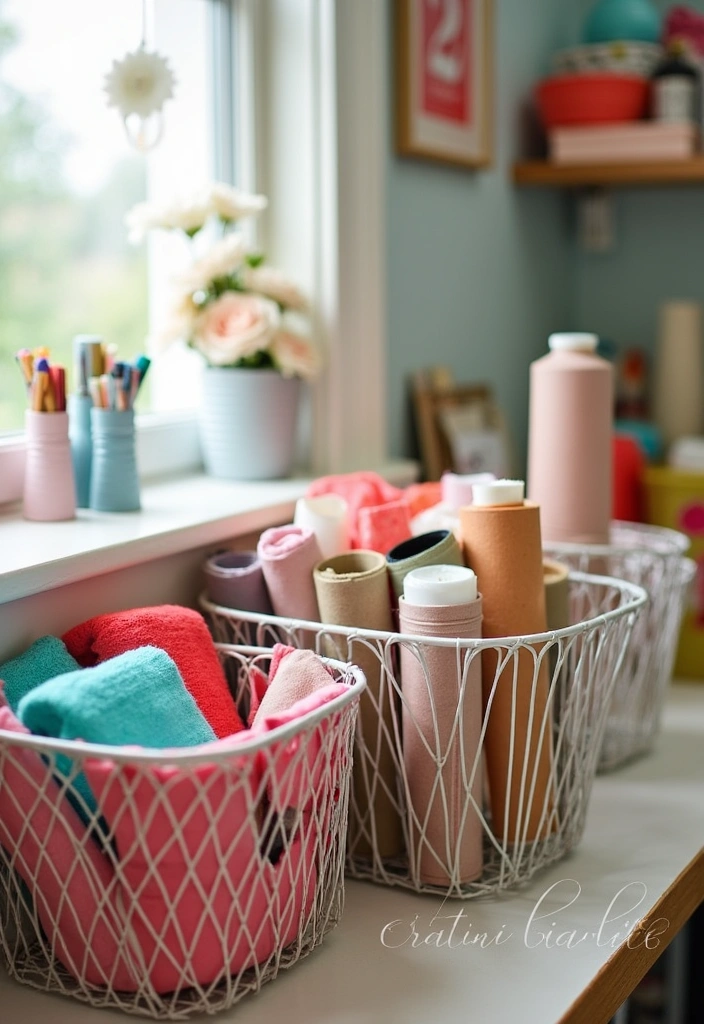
(527, 711)
(652, 557)
(202, 874)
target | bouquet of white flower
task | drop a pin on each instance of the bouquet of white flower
(230, 305)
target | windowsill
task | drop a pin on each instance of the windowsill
(177, 514)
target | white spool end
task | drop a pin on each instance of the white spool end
(573, 342)
(440, 585)
(500, 492)
(326, 516)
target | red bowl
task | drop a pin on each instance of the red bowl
(591, 99)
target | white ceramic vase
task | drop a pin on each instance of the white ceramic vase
(248, 423)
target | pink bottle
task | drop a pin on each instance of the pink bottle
(49, 490)
(570, 440)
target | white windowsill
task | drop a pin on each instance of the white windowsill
(177, 514)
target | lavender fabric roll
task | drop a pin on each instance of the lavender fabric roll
(234, 579)
(439, 547)
(288, 555)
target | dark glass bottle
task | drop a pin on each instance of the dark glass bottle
(676, 87)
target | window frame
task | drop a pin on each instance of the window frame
(347, 127)
(167, 441)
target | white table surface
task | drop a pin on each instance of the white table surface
(645, 825)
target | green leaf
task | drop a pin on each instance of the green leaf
(254, 259)
(261, 360)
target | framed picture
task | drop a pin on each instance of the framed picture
(443, 80)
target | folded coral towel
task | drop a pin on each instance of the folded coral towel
(293, 676)
(46, 658)
(137, 698)
(360, 490)
(382, 527)
(183, 634)
(419, 497)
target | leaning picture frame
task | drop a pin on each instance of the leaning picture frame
(444, 71)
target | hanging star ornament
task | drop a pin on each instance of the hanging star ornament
(139, 85)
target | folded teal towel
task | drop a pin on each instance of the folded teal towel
(46, 658)
(137, 698)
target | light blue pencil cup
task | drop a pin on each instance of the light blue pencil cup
(114, 482)
(79, 432)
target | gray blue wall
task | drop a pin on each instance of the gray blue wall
(481, 272)
(478, 271)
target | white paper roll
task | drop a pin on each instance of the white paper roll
(435, 585)
(326, 516)
(500, 492)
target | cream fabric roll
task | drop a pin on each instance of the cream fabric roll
(679, 371)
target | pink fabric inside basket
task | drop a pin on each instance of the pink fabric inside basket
(192, 898)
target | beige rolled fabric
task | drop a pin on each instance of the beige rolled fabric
(353, 590)
(557, 594)
(502, 545)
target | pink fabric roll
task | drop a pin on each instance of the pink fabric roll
(382, 527)
(288, 555)
(442, 723)
(457, 488)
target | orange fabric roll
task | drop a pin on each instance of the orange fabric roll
(502, 545)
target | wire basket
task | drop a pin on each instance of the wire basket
(526, 712)
(202, 874)
(652, 557)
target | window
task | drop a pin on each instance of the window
(68, 176)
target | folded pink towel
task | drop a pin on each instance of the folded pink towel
(288, 555)
(382, 527)
(293, 676)
(360, 490)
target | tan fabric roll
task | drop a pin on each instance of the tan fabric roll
(557, 594)
(353, 590)
(502, 545)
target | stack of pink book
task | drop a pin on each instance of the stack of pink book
(619, 143)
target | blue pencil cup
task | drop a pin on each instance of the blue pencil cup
(114, 482)
(79, 432)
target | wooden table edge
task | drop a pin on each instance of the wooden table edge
(619, 976)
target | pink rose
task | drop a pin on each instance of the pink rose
(234, 326)
(294, 355)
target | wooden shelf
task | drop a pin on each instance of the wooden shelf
(673, 172)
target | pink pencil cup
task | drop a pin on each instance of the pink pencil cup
(49, 490)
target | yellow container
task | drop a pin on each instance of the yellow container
(675, 498)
